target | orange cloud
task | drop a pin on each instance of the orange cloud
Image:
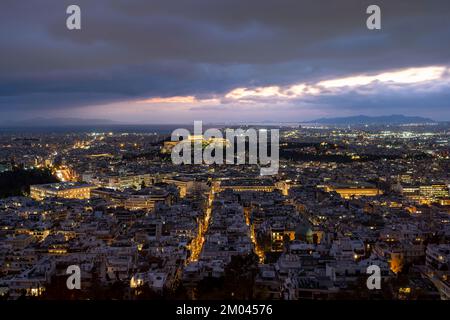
(285, 93)
(175, 99)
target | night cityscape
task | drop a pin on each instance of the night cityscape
(93, 205)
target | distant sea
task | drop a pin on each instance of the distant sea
(154, 128)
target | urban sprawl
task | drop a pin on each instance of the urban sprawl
(141, 227)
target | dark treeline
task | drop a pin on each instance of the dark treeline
(298, 155)
(293, 151)
(17, 182)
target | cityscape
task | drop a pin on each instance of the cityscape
(140, 227)
(265, 154)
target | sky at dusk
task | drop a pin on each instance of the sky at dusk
(163, 61)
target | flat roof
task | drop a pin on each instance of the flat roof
(62, 186)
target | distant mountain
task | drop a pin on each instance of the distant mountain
(57, 122)
(380, 120)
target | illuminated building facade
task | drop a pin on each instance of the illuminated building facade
(147, 201)
(353, 191)
(68, 190)
(426, 193)
(253, 185)
(129, 181)
(169, 145)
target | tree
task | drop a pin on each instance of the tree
(396, 263)
(240, 275)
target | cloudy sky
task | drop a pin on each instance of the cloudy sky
(165, 61)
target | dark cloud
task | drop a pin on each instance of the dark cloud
(134, 49)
